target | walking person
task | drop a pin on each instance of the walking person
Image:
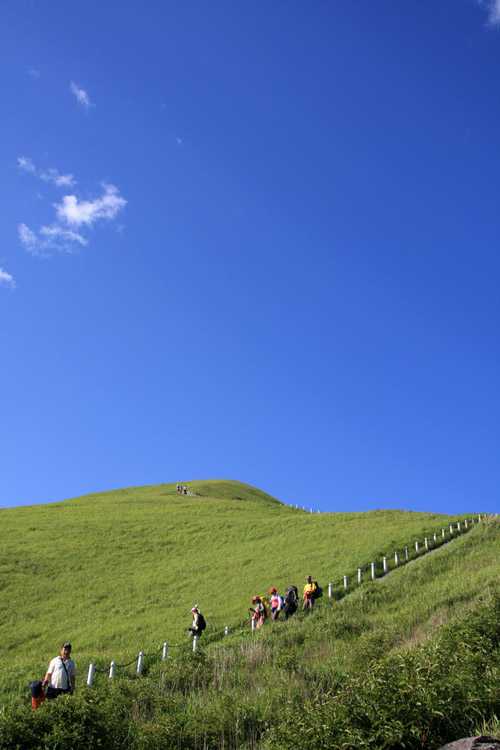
(258, 612)
(198, 624)
(309, 593)
(276, 603)
(291, 601)
(61, 674)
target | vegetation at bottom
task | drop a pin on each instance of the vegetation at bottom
(411, 660)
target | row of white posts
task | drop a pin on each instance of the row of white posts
(140, 660)
(397, 560)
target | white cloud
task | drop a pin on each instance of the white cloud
(50, 238)
(54, 232)
(27, 237)
(75, 213)
(61, 180)
(52, 174)
(26, 165)
(6, 279)
(81, 95)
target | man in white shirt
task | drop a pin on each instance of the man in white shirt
(61, 673)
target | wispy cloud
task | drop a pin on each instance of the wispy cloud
(34, 73)
(81, 96)
(26, 165)
(6, 279)
(52, 174)
(49, 238)
(77, 213)
(493, 9)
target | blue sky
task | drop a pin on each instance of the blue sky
(251, 241)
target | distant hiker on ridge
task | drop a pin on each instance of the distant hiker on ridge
(61, 674)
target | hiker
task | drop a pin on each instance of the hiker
(259, 611)
(291, 601)
(309, 593)
(61, 674)
(199, 623)
(276, 603)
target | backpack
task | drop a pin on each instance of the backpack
(202, 623)
(318, 591)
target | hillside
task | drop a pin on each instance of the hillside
(122, 569)
(411, 659)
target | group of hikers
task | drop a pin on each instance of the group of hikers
(182, 489)
(60, 677)
(287, 604)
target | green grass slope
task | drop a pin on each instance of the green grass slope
(119, 571)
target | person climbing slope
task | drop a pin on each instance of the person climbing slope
(258, 612)
(276, 603)
(309, 593)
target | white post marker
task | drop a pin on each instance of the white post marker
(435, 538)
(346, 583)
(416, 547)
(443, 532)
(426, 542)
(252, 624)
(396, 559)
(91, 675)
(451, 529)
(112, 670)
(195, 642)
(226, 630)
(407, 556)
(373, 570)
(458, 526)
(140, 662)
(465, 523)
(479, 518)
(330, 590)
(164, 653)
(360, 574)
(384, 563)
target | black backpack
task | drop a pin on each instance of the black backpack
(202, 624)
(319, 591)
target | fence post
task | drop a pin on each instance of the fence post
(330, 592)
(458, 526)
(451, 529)
(443, 533)
(164, 653)
(360, 575)
(479, 518)
(426, 542)
(252, 624)
(407, 556)
(112, 670)
(465, 523)
(195, 642)
(346, 583)
(226, 630)
(384, 564)
(140, 662)
(435, 538)
(91, 675)
(396, 559)
(416, 547)
(373, 570)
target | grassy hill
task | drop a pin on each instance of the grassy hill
(119, 571)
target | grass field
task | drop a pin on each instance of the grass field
(119, 571)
